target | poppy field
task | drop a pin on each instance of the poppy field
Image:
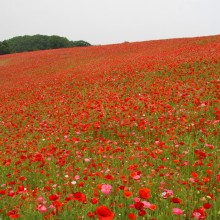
(124, 131)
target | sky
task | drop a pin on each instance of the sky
(110, 21)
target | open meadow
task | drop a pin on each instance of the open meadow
(124, 131)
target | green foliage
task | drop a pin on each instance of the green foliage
(79, 43)
(4, 48)
(37, 42)
(58, 42)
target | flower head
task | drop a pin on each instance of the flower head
(104, 213)
(41, 208)
(106, 189)
(144, 193)
(177, 211)
(198, 214)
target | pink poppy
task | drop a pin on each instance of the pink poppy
(177, 211)
(106, 189)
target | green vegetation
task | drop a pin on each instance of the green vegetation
(37, 42)
(4, 48)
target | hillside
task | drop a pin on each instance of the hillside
(119, 131)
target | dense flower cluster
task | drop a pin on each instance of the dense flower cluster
(127, 131)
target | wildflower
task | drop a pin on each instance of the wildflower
(2, 192)
(127, 194)
(90, 215)
(41, 208)
(87, 160)
(106, 189)
(207, 205)
(167, 193)
(144, 193)
(41, 200)
(149, 205)
(57, 204)
(141, 212)
(77, 177)
(11, 193)
(13, 214)
(139, 205)
(136, 175)
(79, 197)
(94, 200)
(109, 177)
(104, 213)
(52, 207)
(177, 211)
(136, 199)
(175, 200)
(198, 214)
(131, 216)
(53, 197)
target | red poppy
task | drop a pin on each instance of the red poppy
(127, 194)
(131, 216)
(13, 214)
(175, 200)
(79, 197)
(104, 213)
(53, 197)
(11, 193)
(198, 214)
(109, 177)
(2, 192)
(80, 184)
(20, 189)
(141, 212)
(69, 197)
(57, 204)
(144, 193)
(139, 205)
(94, 200)
(207, 205)
(90, 215)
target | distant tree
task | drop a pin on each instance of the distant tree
(58, 42)
(4, 48)
(38, 42)
(79, 43)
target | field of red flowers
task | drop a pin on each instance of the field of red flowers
(127, 131)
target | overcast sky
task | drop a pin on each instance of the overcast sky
(110, 21)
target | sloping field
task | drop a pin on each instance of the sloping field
(127, 131)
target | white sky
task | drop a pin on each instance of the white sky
(110, 21)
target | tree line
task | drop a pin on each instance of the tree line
(37, 42)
